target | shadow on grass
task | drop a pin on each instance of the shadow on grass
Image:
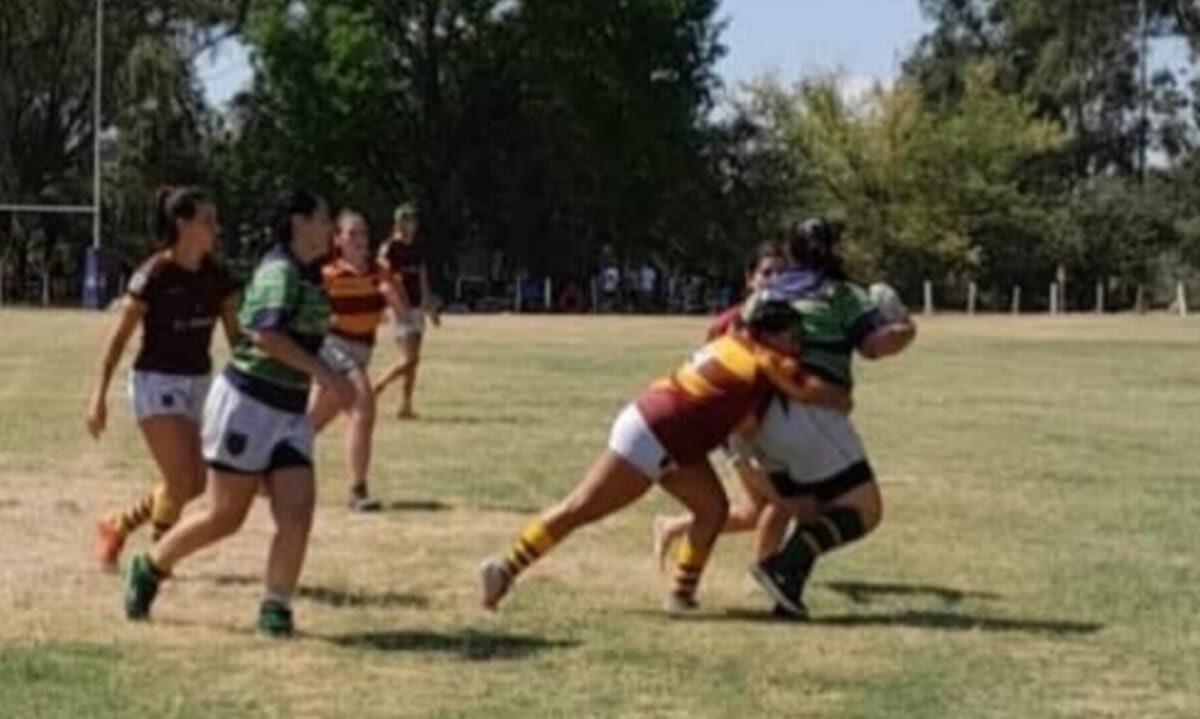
(416, 505)
(474, 420)
(467, 644)
(939, 621)
(329, 596)
(507, 508)
(866, 592)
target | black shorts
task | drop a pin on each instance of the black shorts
(826, 490)
(284, 456)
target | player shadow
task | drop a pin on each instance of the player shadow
(337, 598)
(506, 508)
(861, 592)
(468, 644)
(914, 619)
(416, 505)
(476, 420)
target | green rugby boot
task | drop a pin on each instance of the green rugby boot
(141, 587)
(275, 619)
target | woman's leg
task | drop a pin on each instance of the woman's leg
(413, 349)
(846, 519)
(174, 443)
(700, 490)
(743, 515)
(229, 498)
(359, 433)
(404, 364)
(611, 484)
(323, 407)
(293, 497)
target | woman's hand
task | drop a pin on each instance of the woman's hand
(97, 415)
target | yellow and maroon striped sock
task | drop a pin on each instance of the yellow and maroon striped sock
(533, 542)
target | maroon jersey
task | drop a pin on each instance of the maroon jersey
(182, 307)
(724, 321)
(700, 404)
(404, 261)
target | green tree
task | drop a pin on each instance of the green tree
(923, 191)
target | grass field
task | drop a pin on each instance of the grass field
(1039, 556)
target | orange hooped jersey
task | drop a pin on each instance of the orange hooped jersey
(356, 299)
(698, 406)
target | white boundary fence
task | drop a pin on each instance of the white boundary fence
(1056, 300)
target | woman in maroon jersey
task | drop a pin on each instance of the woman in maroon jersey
(766, 260)
(177, 296)
(404, 260)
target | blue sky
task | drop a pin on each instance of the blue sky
(864, 39)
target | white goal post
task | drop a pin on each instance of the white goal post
(92, 282)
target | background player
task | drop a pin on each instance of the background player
(359, 288)
(404, 260)
(177, 296)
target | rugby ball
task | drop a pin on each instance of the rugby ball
(888, 302)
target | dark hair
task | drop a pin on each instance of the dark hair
(771, 316)
(172, 204)
(765, 250)
(288, 206)
(345, 210)
(810, 245)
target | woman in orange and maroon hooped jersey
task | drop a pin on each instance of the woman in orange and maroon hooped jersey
(762, 264)
(359, 289)
(664, 436)
(178, 296)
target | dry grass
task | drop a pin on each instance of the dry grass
(1038, 557)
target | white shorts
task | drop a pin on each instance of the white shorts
(811, 444)
(345, 355)
(633, 441)
(157, 394)
(244, 435)
(409, 323)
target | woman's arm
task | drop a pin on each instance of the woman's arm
(229, 320)
(394, 295)
(283, 348)
(427, 300)
(132, 312)
(790, 378)
(426, 292)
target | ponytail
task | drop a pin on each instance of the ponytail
(172, 204)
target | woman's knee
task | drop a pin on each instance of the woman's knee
(868, 502)
(224, 520)
(293, 505)
(363, 410)
(712, 513)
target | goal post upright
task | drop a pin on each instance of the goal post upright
(95, 282)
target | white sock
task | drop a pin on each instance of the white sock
(276, 596)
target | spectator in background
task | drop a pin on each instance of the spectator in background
(647, 287)
(610, 287)
(570, 298)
